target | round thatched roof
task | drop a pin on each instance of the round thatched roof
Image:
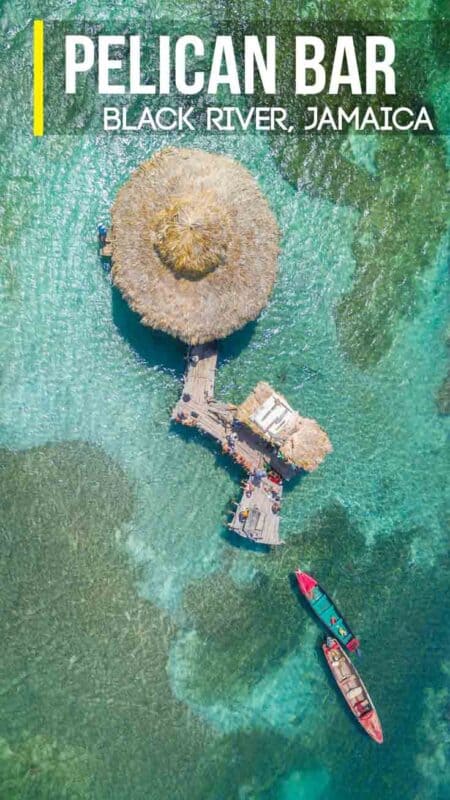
(194, 244)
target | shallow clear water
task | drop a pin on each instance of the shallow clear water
(148, 655)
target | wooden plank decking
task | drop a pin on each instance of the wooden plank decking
(257, 516)
(198, 408)
(200, 374)
(106, 248)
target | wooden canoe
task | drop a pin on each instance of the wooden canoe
(353, 690)
(326, 610)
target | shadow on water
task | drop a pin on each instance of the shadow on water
(231, 347)
(222, 460)
(236, 473)
(154, 348)
(158, 349)
(293, 483)
(294, 588)
(303, 603)
(241, 543)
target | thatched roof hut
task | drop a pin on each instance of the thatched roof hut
(299, 440)
(194, 244)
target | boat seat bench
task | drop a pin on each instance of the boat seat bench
(355, 692)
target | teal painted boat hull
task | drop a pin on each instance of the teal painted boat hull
(324, 608)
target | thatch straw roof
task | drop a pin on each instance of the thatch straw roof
(194, 244)
(300, 440)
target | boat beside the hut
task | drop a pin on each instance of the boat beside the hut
(324, 608)
(352, 688)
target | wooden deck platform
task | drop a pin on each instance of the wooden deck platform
(198, 408)
(106, 249)
(200, 374)
(257, 515)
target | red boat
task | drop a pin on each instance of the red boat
(326, 610)
(355, 693)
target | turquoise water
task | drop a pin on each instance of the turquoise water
(146, 654)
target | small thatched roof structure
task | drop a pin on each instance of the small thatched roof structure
(300, 440)
(194, 244)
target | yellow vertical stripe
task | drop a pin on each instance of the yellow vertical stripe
(38, 77)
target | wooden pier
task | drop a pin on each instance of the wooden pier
(198, 408)
(257, 514)
(250, 435)
(105, 248)
(171, 252)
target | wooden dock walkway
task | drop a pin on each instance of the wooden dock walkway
(200, 374)
(198, 408)
(257, 515)
(105, 249)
